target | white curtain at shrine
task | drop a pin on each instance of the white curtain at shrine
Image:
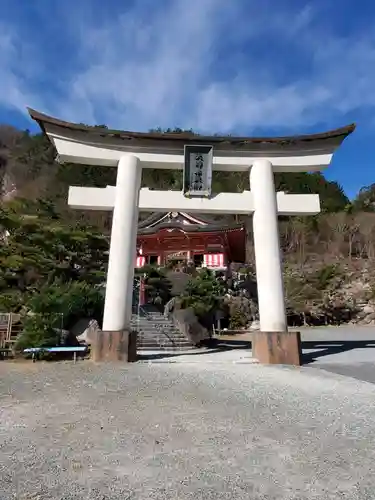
(214, 261)
(141, 261)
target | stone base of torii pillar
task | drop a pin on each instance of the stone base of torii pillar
(277, 348)
(114, 346)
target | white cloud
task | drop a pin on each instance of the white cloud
(10, 84)
(169, 67)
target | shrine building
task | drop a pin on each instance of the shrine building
(179, 237)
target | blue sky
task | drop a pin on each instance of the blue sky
(246, 67)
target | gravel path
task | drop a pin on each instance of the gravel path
(184, 431)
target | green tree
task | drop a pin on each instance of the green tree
(55, 307)
(204, 293)
(39, 248)
(332, 195)
(157, 285)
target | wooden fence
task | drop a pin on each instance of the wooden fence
(10, 328)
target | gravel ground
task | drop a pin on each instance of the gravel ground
(184, 431)
(346, 350)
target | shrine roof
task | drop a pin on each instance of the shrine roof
(165, 140)
(183, 221)
(156, 217)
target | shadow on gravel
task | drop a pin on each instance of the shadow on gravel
(326, 348)
(209, 348)
(332, 347)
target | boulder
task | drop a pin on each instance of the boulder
(84, 330)
(255, 325)
(67, 339)
(187, 323)
(368, 309)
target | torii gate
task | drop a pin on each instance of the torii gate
(130, 152)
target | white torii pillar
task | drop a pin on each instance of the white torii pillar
(273, 343)
(267, 249)
(120, 344)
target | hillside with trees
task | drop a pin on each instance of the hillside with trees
(50, 251)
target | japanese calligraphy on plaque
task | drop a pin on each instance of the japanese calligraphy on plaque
(198, 170)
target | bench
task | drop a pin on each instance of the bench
(5, 352)
(36, 350)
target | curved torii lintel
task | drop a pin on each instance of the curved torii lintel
(79, 143)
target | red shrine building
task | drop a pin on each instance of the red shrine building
(178, 237)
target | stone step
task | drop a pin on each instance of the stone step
(169, 340)
(164, 348)
(149, 328)
(156, 340)
(163, 341)
(151, 316)
(159, 340)
(150, 319)
(155, 332)
(157, 328)
(163, 332)
(172, 331)
(157, 317)
(154, 326)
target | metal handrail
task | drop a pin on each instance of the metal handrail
(158, 327)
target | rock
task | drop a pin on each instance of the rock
(255, 325)
(368, 309)
(67, 338)
(84, 330)
(187, 323)
(361, 303)
(361, 315)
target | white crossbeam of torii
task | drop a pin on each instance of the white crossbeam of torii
(89, 198)
(131, 152)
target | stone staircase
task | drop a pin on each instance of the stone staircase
(155, 332)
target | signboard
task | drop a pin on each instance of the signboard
(182, 255)
(198, 170)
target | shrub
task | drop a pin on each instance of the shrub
(157, 285)
(241, 312)
(56, 307)
(238, 319)
(73, 300)
(39, 331)
(204, 293)
(325, 276)
(11, 301)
